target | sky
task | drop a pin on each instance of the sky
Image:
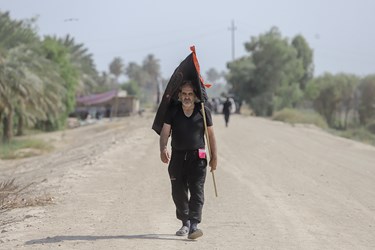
(341, 33)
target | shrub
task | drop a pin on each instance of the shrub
(359, 134)
(23, 148)
(298, 116)
(371, 127)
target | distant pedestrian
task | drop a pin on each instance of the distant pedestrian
(227, 106)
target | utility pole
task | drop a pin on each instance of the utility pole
(232, 29)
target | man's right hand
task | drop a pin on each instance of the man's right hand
(164, 156)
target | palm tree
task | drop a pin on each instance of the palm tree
(47, 101)
(30, 88)
(14, 33)
(83, 61)
(135, 73)
(59, 55)
(116, 67)
(152, 67)
(13, 89)
(105, 82)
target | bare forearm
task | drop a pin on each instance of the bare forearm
(213, 153)
(213, 147)
(164, 135)
(212, 139)
(163, 142)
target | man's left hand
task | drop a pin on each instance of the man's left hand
(213, 163)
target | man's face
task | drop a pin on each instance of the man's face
(187, 96)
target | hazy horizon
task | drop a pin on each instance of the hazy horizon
(340, 33)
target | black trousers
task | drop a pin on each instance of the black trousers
(226, 117)
(187, 173)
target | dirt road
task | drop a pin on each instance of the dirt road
(280, 187)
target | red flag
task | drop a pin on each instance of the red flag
(187, 70)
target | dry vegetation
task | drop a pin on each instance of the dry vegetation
(294, 116)
(23, 148)
(15, 196)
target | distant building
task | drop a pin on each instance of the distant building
(109, 104)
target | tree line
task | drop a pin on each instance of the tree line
(277, 73)
(40, 78)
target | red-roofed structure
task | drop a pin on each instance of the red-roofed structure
(96, 98)
(108, 104)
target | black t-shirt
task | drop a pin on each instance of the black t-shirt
(226, 107)
(187, 132)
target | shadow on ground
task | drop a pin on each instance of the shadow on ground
(62, 238)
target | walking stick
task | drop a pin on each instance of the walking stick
(200, 82)
(208, 143)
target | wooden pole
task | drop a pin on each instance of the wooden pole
(208, 144)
